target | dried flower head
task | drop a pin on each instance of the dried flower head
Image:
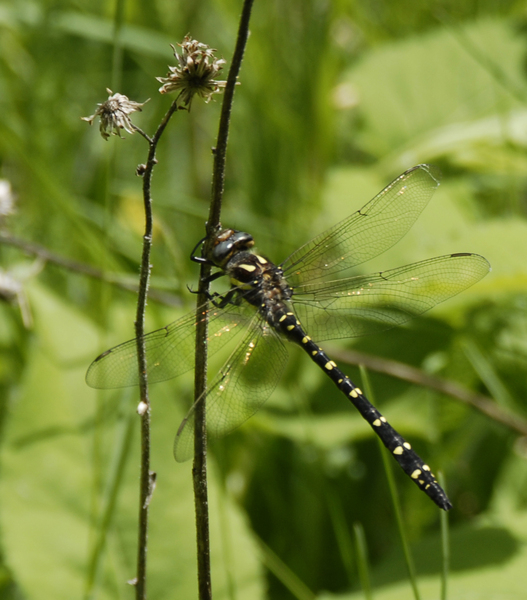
(195, 73)
(114, 114)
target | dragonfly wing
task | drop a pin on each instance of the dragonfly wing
(241, 387)
(169, 350)
(368, 232)
(367, 304)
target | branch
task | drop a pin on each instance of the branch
(85, 269)
(405, 372)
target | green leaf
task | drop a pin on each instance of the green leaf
(49, 466)
(487, 563)
(415, 98)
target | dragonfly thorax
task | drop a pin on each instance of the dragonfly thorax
(260, 283)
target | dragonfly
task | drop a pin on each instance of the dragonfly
(307, 299)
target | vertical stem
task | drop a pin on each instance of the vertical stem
(218, 174)
(395, 499)
(144, 410)
(362, 560)
(199, 470)
(146, 476)
(445, 545)
(102, 511)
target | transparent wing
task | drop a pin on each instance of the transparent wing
(241, 387)
(368, 232)
(169, 350)
(367, 304)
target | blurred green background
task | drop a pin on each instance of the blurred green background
(336, 99)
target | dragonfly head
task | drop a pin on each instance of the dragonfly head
(227, 243)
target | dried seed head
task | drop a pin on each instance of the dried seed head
(195, 73)
(114, 114)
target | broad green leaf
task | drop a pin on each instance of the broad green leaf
(415, 93)
(48, 473)
(487, 563)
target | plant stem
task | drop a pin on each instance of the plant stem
(119, 281)
(395, 498)
(199, 469)
(146, 477)
(218, 174)
(484, 404)
(445, 545)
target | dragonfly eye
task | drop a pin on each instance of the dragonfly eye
(229, 242)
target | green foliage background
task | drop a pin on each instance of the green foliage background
(336, 99)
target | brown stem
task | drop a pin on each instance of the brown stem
(199, 470)
(78, 267)
(407, 373)
(146, 476)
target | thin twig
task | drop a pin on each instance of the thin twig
(146, 477)
(199, 470)
(85, 269)
(407, 373)
(375, 363)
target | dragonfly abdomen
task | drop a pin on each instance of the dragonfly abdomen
(401, 450)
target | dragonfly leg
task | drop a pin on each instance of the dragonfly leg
(199, 259)
(231, 297)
